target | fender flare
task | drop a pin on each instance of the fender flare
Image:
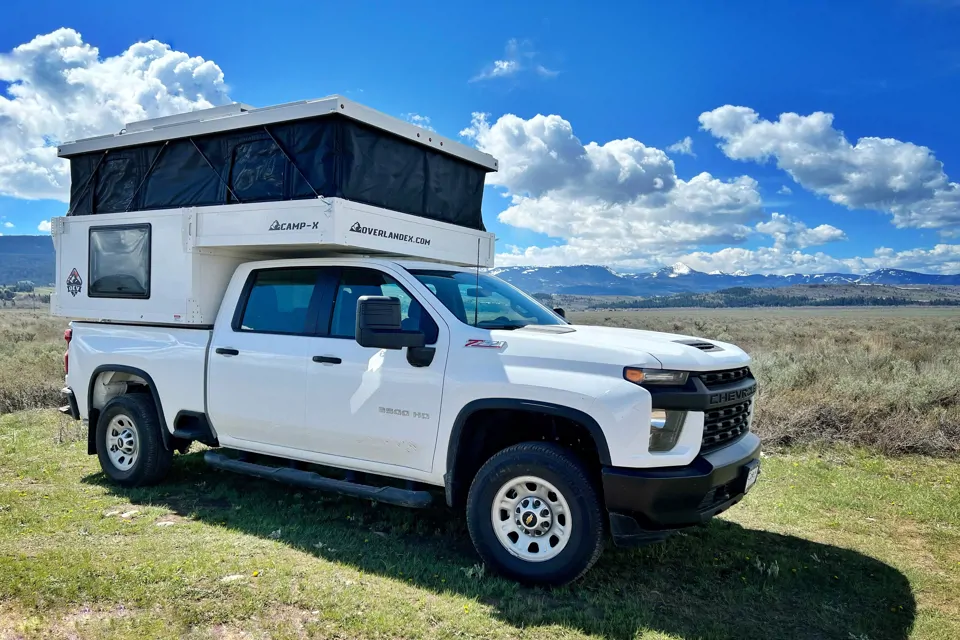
(122, 368)
(534, 406)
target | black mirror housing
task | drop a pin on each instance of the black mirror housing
(560, 312)
(378, 325)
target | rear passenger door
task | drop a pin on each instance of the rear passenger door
(257, 372)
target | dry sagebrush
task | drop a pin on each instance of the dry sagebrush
(885, 379)
(31, 360)
(888, 379)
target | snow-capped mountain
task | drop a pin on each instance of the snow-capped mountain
(680, 278)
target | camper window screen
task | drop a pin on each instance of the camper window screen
(120, 261)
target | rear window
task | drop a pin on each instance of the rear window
(279, 301)
(120, 262)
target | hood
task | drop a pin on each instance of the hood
(625, 347)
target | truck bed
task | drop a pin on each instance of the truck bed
(172, 360)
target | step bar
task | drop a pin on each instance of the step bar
(311, 480)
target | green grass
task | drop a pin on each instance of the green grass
(864, 547)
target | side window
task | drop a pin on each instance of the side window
(258, 171)
(279, 302)
(356, 282)
(119, 262)
(116, 183)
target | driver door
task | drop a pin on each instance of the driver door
(373, 404)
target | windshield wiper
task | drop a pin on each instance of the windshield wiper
(506, 327)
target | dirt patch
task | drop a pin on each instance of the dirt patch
(287, 621)
(16, 624)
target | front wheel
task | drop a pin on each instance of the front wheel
(129, 442)
(535, 516)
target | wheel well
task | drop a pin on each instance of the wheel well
(484, 432)
(109, 381)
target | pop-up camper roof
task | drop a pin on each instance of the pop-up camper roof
(331, 147)
(162, 213)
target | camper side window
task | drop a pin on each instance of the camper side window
(120, 261)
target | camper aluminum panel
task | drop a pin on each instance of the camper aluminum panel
(185, 287)
(310, 227)
(219, 120)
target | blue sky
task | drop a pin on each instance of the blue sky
(650, 72)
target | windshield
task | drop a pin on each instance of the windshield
(493, 305)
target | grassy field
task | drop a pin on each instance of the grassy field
(850, 534)
(31, 359)
(837, 544)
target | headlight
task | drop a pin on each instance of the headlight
(665, 428)
(655, 376)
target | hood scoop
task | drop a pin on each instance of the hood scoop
(703, 345)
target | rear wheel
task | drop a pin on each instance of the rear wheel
(534, 516)
(129, 443)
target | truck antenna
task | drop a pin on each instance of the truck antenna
(476, 290)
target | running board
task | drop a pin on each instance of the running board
(310, 480)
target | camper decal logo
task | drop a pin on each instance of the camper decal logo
(294, 226)
(390, 235)
(74, 283)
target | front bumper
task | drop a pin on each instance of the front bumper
(645, 505)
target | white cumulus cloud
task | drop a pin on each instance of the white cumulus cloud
(44, 226)
(617, 202)
(60, 89)
(883, 174)
(785, 190)
(543, 155)
(683, 147)
(943, 258)
(794, 234)
(8, 225)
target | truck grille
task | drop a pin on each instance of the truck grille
(713, 378)
(723, 425)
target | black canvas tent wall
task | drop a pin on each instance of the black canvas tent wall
(328, 148)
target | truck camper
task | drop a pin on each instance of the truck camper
(302, 289)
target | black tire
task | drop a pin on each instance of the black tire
(564, 471)
(152, 462)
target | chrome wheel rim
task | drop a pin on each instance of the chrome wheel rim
(122, 442)
(531, 519)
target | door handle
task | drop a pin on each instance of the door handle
(327, 359)
(226, 351)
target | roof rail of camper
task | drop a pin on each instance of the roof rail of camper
(240, 116)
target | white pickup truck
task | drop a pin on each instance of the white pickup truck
(390, 379)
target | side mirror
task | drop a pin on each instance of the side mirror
(560, 312)
(378, 325)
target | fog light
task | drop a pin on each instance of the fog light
(665, 428)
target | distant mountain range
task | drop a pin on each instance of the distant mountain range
(595, 280)
(27, 258)
(32, 258)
